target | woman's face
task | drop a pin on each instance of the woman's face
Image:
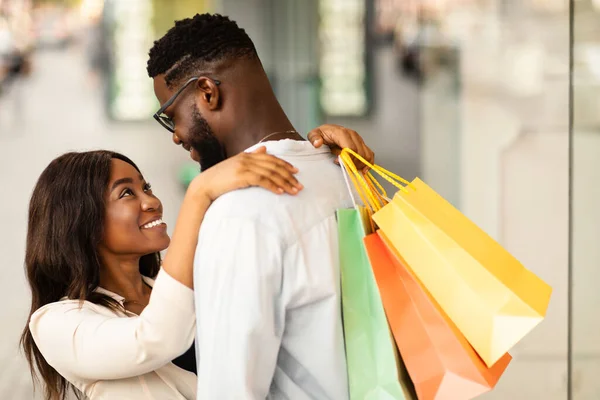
(133, 221)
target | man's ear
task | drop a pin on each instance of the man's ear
(208, 94)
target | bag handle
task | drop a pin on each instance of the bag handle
(354, 179)
(347, 177)
(389, 176)
(364, 190)
(369, 189)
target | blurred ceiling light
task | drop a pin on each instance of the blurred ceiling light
(91, 9)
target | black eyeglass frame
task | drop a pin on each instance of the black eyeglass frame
(167, 122)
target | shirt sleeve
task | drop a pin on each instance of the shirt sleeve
(237, 277)
(81, 343)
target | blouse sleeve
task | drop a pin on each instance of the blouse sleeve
(80, 342)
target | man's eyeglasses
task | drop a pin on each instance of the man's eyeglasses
(167, 122)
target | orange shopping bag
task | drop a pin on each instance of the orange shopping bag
(440, 361)
(487, 293)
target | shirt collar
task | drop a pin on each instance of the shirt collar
(120, 298)
(290, 147)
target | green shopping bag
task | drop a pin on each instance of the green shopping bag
(375, 372)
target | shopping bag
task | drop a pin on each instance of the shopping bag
(375, 371)
(488, 294)
(491, 297)
(440, 361)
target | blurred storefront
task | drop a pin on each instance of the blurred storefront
(470, 95)
(125, 32)
(16, 39)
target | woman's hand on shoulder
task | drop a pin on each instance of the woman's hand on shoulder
(337, 137)
(245, 170)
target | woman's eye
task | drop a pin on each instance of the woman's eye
(126, 192)
(147, 187)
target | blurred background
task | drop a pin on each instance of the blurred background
(470, 95)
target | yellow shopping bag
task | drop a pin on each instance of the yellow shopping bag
(490, 296)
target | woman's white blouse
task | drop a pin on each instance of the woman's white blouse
(125, 356)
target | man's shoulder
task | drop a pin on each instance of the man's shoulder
(323, 183)
(248, 203)
(324, 192)
(255, 206)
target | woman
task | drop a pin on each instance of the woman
(106, 320)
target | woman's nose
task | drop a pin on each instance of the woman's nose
(150, 203)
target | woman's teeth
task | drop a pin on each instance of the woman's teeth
(153, 224)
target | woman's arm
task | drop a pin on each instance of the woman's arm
(241, 171)
(85, 342)
(82, 343)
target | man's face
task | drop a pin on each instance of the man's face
(192, 130)
(203, 142)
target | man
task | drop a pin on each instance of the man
(266, 273)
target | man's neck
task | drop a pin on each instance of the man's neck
(268, 123)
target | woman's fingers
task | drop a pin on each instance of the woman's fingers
(271, 159)
(259, 150)
(270, 172)
(264, 176)
(261, 180)
(281, 173)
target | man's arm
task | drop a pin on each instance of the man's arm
(240, 320)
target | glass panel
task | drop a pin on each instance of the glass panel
(585, 192)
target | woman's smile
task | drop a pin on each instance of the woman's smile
(155, 223)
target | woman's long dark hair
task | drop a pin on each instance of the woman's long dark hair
(66, 221)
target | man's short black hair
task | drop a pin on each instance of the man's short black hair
(193, 42)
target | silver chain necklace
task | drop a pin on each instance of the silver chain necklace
(277, 133)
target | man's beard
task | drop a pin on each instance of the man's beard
(203, 140)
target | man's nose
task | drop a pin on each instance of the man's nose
(176, 139)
